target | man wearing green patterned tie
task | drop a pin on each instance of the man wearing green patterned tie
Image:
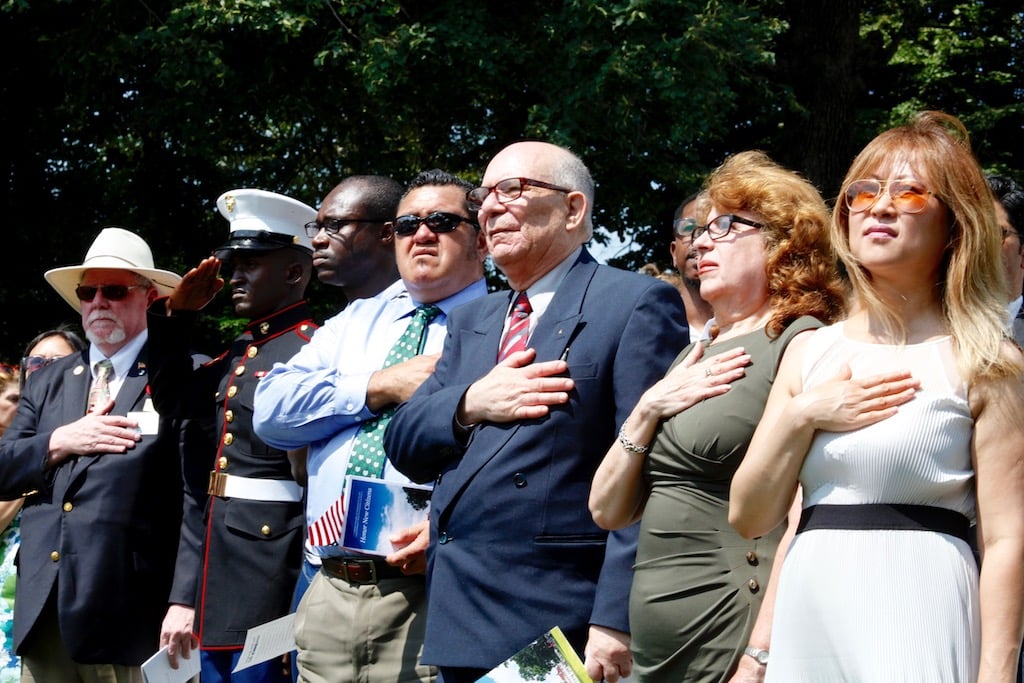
(336, 395)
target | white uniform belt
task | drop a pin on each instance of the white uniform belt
(231, 486)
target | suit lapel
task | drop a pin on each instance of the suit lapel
(75, 390)
(560, 324)
(129, 398)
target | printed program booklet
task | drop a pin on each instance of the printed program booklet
(549, 659)
(374, 509)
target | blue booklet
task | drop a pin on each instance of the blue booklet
(374, 509)
(548, 659)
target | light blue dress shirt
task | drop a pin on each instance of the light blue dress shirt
(319, 396)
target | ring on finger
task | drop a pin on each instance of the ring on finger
(707, 371)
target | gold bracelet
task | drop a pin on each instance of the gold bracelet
(628, 445)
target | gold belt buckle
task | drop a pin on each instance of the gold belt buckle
(218, 482)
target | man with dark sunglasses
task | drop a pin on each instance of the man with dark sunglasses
(531, 388)
(336, 395)
(244, 511)
(100, 526)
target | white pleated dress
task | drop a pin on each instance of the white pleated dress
(876, 606)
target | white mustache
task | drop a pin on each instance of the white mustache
(102, 315)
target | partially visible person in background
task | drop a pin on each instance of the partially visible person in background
(1009, 205)
(10, 665)
(684, 257)
(48, 347)
(668, 276)
(9, 394)
(44, 349)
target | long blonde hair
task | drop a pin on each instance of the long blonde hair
(971, 277)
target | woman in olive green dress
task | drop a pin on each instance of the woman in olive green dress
(766, 268)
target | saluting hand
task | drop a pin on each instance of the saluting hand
(198, 287)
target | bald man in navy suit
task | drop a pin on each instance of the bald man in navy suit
(512, 446)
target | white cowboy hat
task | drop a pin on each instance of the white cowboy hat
(115, 248)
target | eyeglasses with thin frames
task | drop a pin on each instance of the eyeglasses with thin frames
(906, 196)
(507, 190)
(109, 292)
(332, 226)
(719, 227)
(683, 227)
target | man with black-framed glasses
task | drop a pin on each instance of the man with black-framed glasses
(684, 258)
(352, 247)
(531, 388)
(337, 395)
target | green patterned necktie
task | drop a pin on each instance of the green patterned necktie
(367, 458)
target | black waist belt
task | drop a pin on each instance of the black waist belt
(883, 516)
(360, 571)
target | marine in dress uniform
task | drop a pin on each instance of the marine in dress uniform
(249, 541)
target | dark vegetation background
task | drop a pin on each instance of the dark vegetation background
(140, 113)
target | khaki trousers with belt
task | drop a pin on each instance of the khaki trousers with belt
(362, 633)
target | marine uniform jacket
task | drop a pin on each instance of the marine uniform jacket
(100, 530)
(250, 550)
(514, 550)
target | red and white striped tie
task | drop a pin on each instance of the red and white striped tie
(518, 328)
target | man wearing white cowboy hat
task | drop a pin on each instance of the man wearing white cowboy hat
(252, 506)
(101, 473)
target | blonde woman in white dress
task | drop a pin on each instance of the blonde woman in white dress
(903, 424)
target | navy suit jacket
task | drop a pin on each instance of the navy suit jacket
(100, 530)
(514, 550)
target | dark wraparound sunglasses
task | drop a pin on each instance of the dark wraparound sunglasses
(438, 222)
(110, 292)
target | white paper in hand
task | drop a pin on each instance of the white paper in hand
(157, 669)
(267, 641)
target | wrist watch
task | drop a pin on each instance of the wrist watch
(757, 653)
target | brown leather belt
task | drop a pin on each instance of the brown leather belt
(360, 571)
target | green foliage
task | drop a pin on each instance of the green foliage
(142, 113)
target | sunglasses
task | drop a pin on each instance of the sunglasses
(33, 363)
(506, 191)
(438, 222)
(720, 227)
(110, 292)
(906, 196)
(332, 226)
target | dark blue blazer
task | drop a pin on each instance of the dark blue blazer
(100, 530)
(514, 550)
